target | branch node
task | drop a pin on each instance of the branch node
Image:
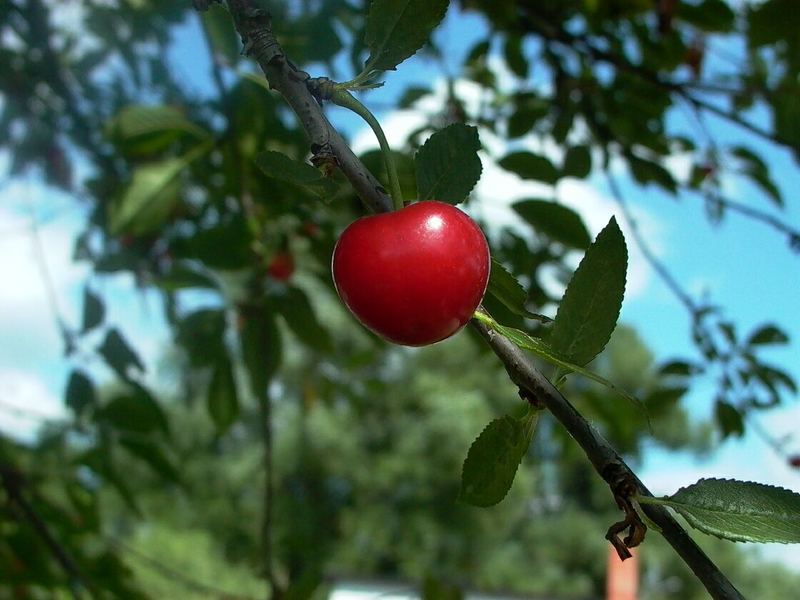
(624, 487)
(322, 88)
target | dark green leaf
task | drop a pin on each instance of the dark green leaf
(396, 29)
(135, 412)
(223, 399)
(556, 221)
(119, 355)
(411, 95)
(200, 334)
(679, 368)
(186, 275)
(767, 335)
(299, 315)
(515, 59)
(590, 307)
(434, 589)
(93, 310)
(647, 171)
(494, 457)
(528, 165)
(738, 510)
(509, 291)
(153, 455)
(447, 165)
(711, 15)
(577, 162)
(261, 346)
(148, 129)
(80, 393)
(279, 166)
(204, 246)
(765, 182)
(729, 419)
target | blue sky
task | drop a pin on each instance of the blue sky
(743, 266)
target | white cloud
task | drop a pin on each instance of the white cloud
(25, 404)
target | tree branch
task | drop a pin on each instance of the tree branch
(254, 26)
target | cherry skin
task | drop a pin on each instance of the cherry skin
(414, 276)
(281, 267)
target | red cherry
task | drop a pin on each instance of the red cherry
(281, 266)
(794, 461)
(414, 276)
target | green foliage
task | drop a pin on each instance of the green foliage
(448, 165)
(505, 288)
(558, 222)
(222, 399)
(590, 308)
(396, 29)
(528, 165)
(494, 457)
(742, 511)
(283, 168)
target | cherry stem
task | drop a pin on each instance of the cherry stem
(345, 99)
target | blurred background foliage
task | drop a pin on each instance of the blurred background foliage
(161, 490)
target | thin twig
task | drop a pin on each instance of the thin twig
(255, 27)
(13, 482)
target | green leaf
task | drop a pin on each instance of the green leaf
(186, 275)
(222, 400)
(447, 165)
(711, 15)
(135, 412)
(80, 394)
(411, 95)
(738, 510)
(119, 355)
(93, 310)
(396, 29)
(647, 171)
(729, 419)
(284, 168)
(528, 165)
(590, 307)
(504, 286)
(494, 457)
(148, 129)
(261, 346)
(148, 199)
(515, 59)
(577, 162)
(767, 335)
(153, 455)
(222, 33)
(299, 315)
(541, 349)
(556, 221)
(200, 334)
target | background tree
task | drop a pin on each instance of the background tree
(180, 193)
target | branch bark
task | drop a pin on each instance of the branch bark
(254, 26)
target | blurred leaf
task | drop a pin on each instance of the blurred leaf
(679, 368)
(148, 129)
(434, 589)
(261, 346)
(396, 29)
(186, 275)
(577, 162)
(119, 355)
(515, 59)
(279, 166)
(200, 334)
(80, 394)
(558, 222)
(588, 312)
(411, 95)
(135, 412)
(530, 166)
(447, 165)
(767, 335)
(153, 455)
(298, 313)
(204, 246)
(711, 15)
(224, 40)
(93, 310)
(647, 171)
(729, 419)
(148, 200)
(741, 511)
(494, 457)
(223, 399)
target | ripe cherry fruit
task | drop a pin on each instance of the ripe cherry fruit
(414, 276)
(281, 266)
